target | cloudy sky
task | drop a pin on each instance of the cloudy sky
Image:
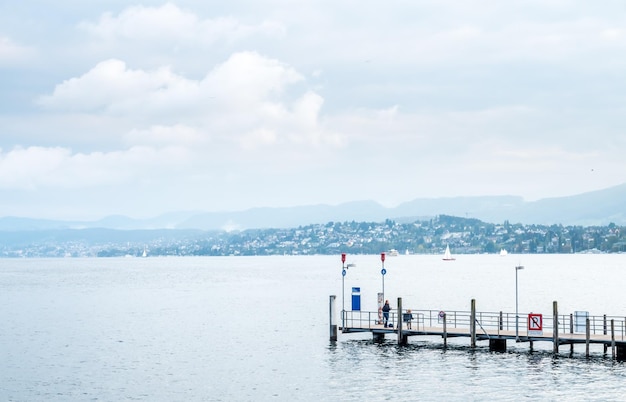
(115, 107)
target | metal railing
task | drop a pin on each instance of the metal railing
(598, 325)
(490, 321)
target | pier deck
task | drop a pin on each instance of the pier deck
(495, 327)
(564, 339)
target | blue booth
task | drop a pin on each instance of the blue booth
(356, 299)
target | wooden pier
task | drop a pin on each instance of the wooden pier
(495, 327)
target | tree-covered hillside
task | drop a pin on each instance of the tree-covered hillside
(463, 235)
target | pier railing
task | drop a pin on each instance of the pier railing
(598, 325)
(494, 322)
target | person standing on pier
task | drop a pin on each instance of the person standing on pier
(407, 317)
(386, 309)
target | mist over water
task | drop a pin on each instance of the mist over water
(256, 328)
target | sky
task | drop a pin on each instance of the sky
(143, 108)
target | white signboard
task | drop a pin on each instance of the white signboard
(580, 321)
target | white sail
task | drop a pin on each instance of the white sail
(447, 256)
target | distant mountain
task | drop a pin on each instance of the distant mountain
(588, 209)
(593, 208)
(169, 220)
(489, 209)
(93, 235)
(12, 223)
(287, 217)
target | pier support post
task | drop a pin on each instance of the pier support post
(571, 331)
(378, 336)
(402, 339)
(333, 318)
(587, 337)
(621, 352)
(473, 324)
(604, 331)
(497, 345)
(613, 338)
(555, 334)
(445, 331)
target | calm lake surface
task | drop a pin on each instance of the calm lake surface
(256, 329)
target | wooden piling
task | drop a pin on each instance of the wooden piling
(473, 324)
(620, 355)
(555, 340)
(613, 338)
(587, 337)
(604, 333)
(445, 331)
(571, 331)
(333, 318)
(402, 340)
(620, 349)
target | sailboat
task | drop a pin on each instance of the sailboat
(503, 252)
(448, 255)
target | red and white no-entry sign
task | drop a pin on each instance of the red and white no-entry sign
(535, 324)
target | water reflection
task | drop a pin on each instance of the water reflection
(428, 371)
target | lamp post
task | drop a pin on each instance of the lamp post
(516, 305)
(343, 288)
(383, 272)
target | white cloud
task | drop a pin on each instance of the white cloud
(301, 126)
(614, 34)
(242, 99)
(56, 167)
(307, 128)
(424, 98)
(244, 80)
(111, 87)
(247, 77)
(12, 53)
(173, 123)
(26, 168)
(258, 137)
(160, 136)
(169, 23)
(485, 33)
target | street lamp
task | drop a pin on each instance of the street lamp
(343, 288)
(516, 305)
(383, 272)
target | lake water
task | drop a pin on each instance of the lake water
(256, 329)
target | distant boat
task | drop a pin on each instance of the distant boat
(447, 256)
(392, 253)
(406, 252)
(503, 252)
(145, 252)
